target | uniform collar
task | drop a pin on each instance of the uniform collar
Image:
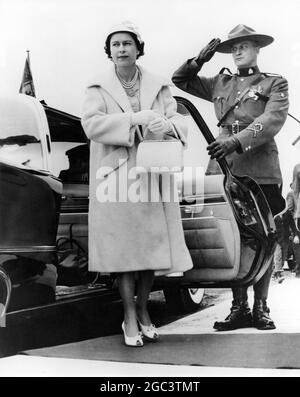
(243, 72)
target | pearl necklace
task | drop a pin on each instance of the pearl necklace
(129, 84)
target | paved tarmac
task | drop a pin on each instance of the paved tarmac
(283, 300)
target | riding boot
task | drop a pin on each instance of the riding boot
(240, 313)
(261, 315)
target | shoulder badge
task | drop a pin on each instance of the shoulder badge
(272, 75)
(225, 70)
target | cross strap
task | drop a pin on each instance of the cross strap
(237, 101)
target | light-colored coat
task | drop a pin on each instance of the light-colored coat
(128, 236)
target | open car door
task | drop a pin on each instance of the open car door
(228, 225)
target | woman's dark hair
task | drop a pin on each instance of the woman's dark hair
(140, 46)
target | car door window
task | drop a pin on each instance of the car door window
(69, 147)
(20, 141)
(196, 154)
(197, 163)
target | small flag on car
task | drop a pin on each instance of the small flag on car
(27, 86)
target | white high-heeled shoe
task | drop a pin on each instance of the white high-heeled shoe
(135, 341)
(150, 332)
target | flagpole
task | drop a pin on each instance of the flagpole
(298, 121)
(28, 57)
(298, 139)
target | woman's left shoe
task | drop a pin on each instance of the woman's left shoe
(149, 332)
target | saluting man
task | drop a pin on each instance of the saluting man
(251, 107)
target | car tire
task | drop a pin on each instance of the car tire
(183, 299)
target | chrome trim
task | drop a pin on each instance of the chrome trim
(204, 196)
(206, 217)
(65, 214)
(210, 204)
(5, 278)
(33, 248)
(203, 205)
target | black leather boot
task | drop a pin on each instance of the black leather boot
(239, 317)
(261, 317)
(278, 276)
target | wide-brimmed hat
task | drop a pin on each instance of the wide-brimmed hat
(243, 32)
(125, 26)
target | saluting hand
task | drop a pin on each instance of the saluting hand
(208, 51)
(222, 146)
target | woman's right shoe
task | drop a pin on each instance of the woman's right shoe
(135, 341)
(150, 332)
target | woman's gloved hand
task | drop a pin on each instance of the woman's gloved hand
(207, 52)
(144, 117)
(296, 240)
(160, 126)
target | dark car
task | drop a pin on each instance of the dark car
(44, 178)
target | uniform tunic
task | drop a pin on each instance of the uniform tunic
(259, 118)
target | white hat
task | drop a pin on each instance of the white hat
(125, 26)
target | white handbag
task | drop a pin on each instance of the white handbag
(160, 156)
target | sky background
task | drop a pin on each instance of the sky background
(66, 39)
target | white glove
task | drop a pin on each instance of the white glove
(296, 240)
(160, 126)
(144, 117)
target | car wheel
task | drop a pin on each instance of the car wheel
(183, 299)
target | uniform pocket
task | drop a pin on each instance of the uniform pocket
(253, 107)
(219, 104)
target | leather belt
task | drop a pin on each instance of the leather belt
(235, 127)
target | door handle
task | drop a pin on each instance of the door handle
(48, 143)
(188, 209)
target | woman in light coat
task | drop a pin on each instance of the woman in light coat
(128, 233)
